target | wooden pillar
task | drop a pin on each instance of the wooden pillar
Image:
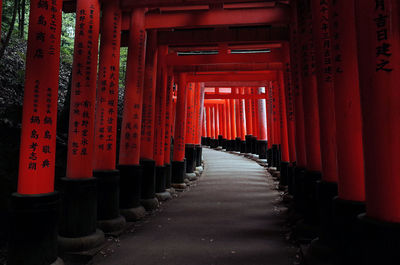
(129, 151)
(262, 126)
(168, 125)
(80, 220)
(325, 86)
(179, 163)
(301, 159)
(36, 203)
(106, 120)
(249, 119)
(310, 96)
(379, 54)
(190, 149)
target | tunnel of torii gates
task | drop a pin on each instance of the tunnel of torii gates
(309, 85)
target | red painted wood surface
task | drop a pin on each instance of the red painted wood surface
(232, 104)
(180, 120)
(242, 112)
(301, 159)
(347, 103)
(168, 116)
(107, 88)
(249, 119)
(290, 108)
(208, 120)
(129, 153)
(228, 119)
(190, 113)
(269, 103)
(39, 119)
(310, 96)
(83, 91)
(149, 97)
(201, 113)
(262, 117)
(221, 119)
(325, 88)
(160, 107)
(283, 117)
(254, 112)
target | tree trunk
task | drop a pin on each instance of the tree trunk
(10, 30)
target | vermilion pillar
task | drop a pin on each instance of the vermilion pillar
(38, 144)
(283, 121)
(190, 112)
(161, 109)
(38, 136)
(379, 54)
(254, 112)
(168, 126)
(311, 112)
(249, 121)
(284, 164)
(199, 103)
(295, 46)
(242, 115)
(190, 149)
(208, 122)
(233, 120)
(327, 188)
(132, 115)
(262, 126)
(228, 120)
(275, 125)
(222, 124)
(347, 102)
(79, 220)
(310, 96)
(149, 201)
(129, 151)
(325, 82)
(179, 163)
(159, 129)
(106, 120)
(83, 92)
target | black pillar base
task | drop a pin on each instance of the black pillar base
(108, 216)
(208, 141)
(298, 189)
(347, 230)
(203, 140)
(161, 193)
(326, 192)
(291, 179)
(284, 176)
(269, 157)
(321, 250)
(78, 223)
(215, 143)
(248, 143)
(381, 241)
(220, 139)
(33, 229)
(262, 149)
(160, 179)
(190, 156)
(130, 192)
(178, 174)
(310, 190)
(199, 155)
(275, 156)
(224, 143)
(148, 196)
(168, 176)
(243, 147)
(228, 145)
(254, 146)
(238, 143)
